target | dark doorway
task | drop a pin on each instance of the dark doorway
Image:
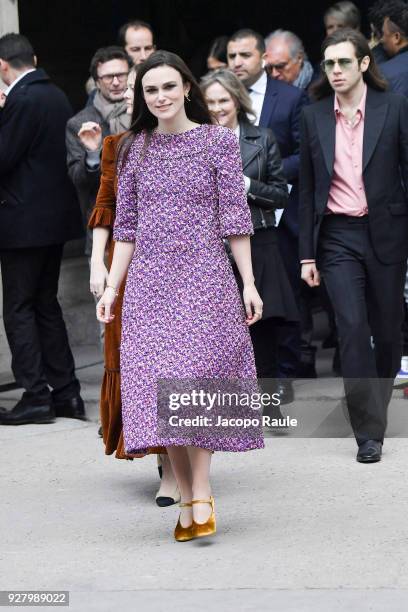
(65, 33)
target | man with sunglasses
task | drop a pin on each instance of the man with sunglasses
(286, 59)
(106, 115)
(354, 223)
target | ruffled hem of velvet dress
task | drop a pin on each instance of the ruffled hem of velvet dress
(101, 217)
(110, 404)
(111, 420)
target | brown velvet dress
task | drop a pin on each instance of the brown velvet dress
(103, 215)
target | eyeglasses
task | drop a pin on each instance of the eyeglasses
(344, 63)
(108, 78)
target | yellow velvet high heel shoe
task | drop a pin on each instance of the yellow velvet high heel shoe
(183, 534)
(200, 530)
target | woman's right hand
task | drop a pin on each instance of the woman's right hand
(105, 305)
(98, 279)
(253, 303)
(90, 135)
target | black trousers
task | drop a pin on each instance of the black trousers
(367, 298)
(33, 321)
(289, 335)
(264, 336)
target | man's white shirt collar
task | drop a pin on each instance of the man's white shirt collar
(257, 95)
(22, 75)
(259, 86)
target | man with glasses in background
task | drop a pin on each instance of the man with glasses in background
(354, 223)
(106, 115)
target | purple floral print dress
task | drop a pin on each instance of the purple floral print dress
(182, 315)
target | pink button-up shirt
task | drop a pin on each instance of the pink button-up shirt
(347, 194)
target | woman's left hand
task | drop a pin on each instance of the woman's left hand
(105, 305)
(253, 304)
(98, 279)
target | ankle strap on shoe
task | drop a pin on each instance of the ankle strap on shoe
(203, 501)
(185, 504)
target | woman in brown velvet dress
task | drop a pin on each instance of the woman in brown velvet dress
(101, 221)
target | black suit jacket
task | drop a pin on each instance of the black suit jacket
(261, 162)
(281, 111)
(38, 204)
(385, 173)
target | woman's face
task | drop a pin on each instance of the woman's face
(222, 105)
(332, 24)
(164, 92)
(130, 91)
(213, 63)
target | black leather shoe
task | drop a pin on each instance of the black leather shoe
(25, 414)
(285, 390)
(72, 408)
(369, 452)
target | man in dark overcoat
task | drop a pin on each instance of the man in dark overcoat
(39, 212)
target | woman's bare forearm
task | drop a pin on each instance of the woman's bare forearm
(100, 237)
(122, 257)
(241, 251)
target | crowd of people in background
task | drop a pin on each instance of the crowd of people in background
(257, 86)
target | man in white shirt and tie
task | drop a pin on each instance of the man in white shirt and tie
(277, 106)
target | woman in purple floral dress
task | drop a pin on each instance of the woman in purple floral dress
(180, 192)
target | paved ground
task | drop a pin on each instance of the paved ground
(301, 525)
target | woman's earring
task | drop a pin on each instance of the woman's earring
(187, 97)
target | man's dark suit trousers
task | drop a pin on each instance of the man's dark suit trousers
(33, 321)
(367, 298)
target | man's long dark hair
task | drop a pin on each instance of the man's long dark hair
(372, 76)
(142, 118)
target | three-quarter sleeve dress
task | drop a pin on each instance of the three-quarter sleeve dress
(182, 316)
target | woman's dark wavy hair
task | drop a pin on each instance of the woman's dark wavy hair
(142, 119)
(372, 76)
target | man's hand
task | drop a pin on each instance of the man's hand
(310, 274)
(90, 135)
(3, 99)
